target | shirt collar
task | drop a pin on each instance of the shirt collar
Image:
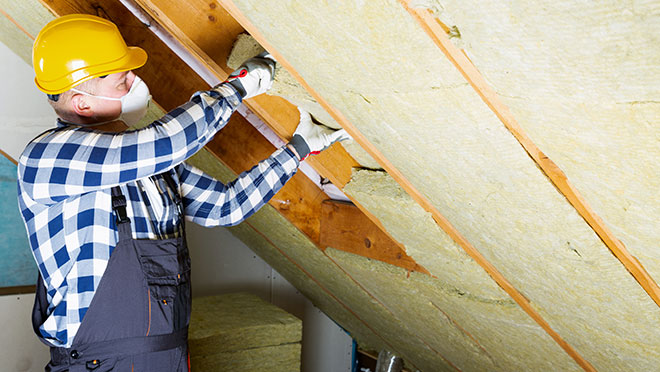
(61, 123)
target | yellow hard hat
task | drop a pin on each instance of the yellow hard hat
(78, 47)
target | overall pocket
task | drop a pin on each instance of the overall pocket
(165, 268)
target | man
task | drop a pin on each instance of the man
(105, 211)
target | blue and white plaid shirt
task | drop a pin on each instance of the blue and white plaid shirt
(65, 178)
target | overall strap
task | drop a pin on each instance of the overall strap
(167, 176)
(40, 308)
(119, 205)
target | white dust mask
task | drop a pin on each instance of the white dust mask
(134, 104)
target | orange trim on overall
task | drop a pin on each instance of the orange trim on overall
(149, 299)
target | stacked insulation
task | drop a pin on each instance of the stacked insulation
(241, 332)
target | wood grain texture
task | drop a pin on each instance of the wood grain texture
(212, 45)
(240, 146)
(345, 227)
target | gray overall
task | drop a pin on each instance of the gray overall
(138, 318)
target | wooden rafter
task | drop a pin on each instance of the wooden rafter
(345, 227)
(442, 222)
(210, 39)
(239, 146)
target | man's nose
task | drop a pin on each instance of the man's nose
(130, 77)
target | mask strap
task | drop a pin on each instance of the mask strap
(92, 95)
(136, 80)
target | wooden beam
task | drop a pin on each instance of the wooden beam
(195, 36)
(240, 146)
(345, 227)
(442, 222)
(433, 27)
(23, 289)
(210, 38)
(211, 45)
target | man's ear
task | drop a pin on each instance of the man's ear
(80, 105)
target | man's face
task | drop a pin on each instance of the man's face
(115, 86)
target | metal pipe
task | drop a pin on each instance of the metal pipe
(388, 362)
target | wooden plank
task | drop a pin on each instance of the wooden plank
(345, 227)
(207, 45)
(240, 146)
(210, 38)
(409, 188)
(459, 59)
(23, 289)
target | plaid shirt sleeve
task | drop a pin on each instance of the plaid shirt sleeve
(76, 160)
(209, 202)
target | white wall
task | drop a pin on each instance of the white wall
(20, 350)
(24, 113)
(221, 262)
(24, 110)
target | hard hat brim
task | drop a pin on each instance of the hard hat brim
(134, 58)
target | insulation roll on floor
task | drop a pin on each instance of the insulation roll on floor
(242, 333)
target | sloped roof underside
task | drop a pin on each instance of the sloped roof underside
(371, 61)
(580, 81)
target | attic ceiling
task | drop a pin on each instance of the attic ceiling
(508, 150)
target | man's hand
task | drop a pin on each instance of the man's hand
(255, 76)
(311, 138)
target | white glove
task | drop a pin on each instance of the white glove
(311, 138)
(255, 76)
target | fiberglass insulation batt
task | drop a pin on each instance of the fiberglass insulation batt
(373, 62)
